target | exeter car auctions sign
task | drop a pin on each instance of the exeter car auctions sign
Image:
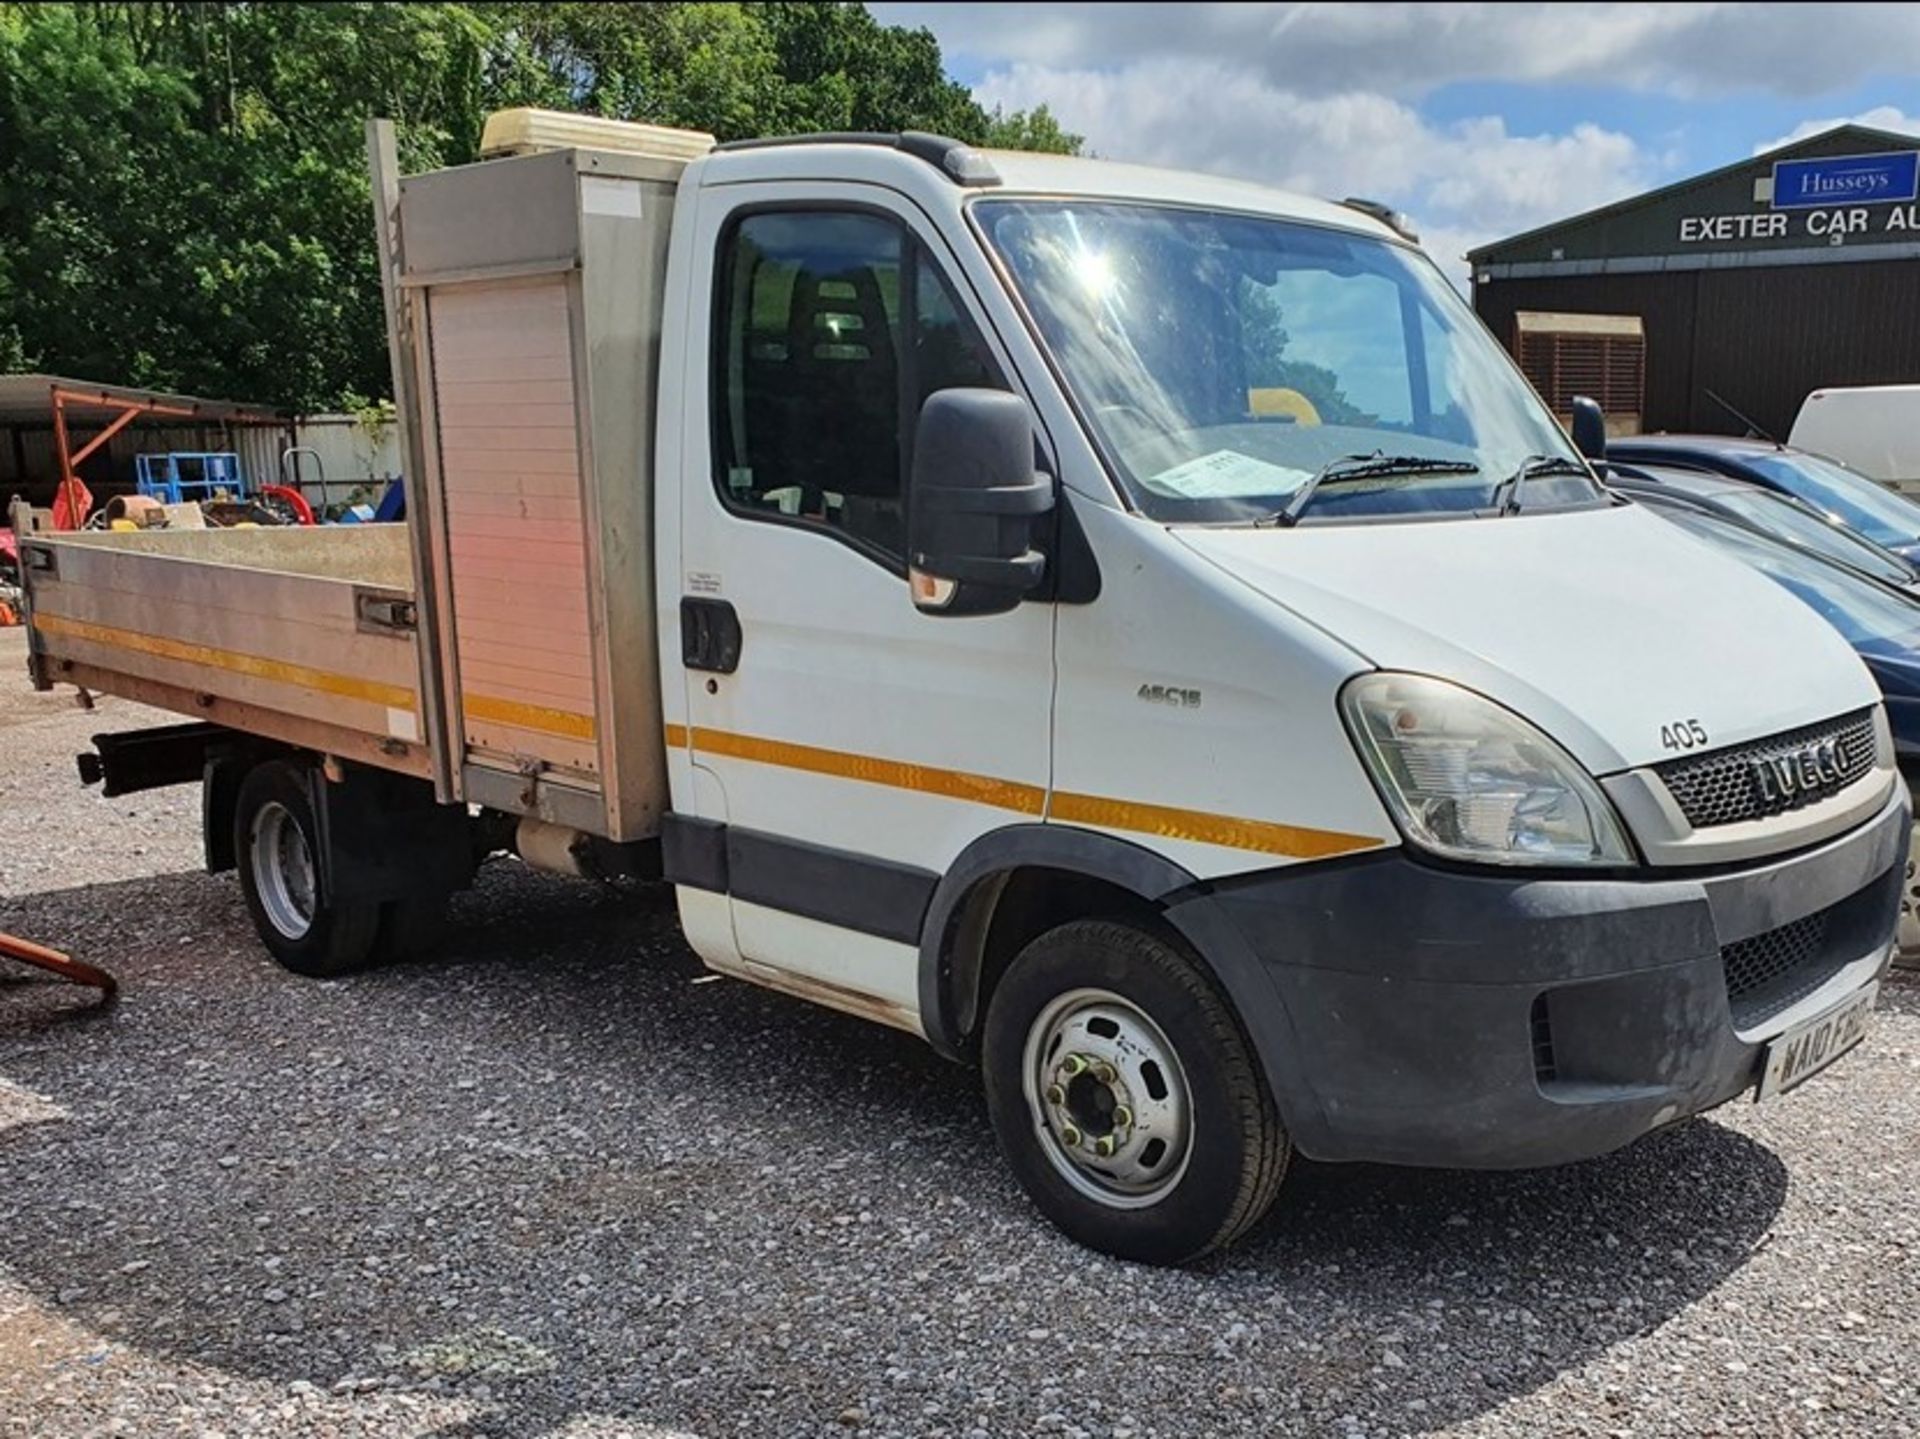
(1828, 226)
(1846, 180)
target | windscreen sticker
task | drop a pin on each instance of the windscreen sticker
(1226, 474)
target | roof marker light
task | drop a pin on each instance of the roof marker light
(1394, 220)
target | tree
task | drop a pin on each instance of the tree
(183, 197)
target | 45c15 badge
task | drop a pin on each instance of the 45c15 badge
(1170, 695)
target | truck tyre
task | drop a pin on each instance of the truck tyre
(1126, 1096)
(276, 844)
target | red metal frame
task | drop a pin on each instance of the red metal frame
(75, 499)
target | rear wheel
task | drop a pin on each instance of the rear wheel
(277, 846)
(1127, 1098)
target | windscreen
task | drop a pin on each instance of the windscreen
(1879, 514)
(1223, 360)
(1873, 619)
(1777, 514)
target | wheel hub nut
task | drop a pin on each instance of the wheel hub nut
(1056, 1096)
(1122, 1117)
(1105, 1073)
(1070, 1136)
(1073, 1066)
(1104, 1146)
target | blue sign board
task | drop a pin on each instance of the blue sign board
(1846, 180)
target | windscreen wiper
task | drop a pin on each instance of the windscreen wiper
(1361, 467)
(1506, 495)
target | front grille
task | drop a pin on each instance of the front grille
(1773, 971)
(1731, 785)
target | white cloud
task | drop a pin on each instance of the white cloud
(1464, 182)
(1412, 49)
(1880, 117)
(1325, 98)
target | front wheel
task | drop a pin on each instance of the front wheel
(277, 845)
(1906, 950)
(1126, 1096)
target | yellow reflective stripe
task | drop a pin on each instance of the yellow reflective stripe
(1203, 828)
(564, 723)
(253, 666)
(921, 778)
(1196, 826)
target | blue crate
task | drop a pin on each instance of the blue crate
(189, 475)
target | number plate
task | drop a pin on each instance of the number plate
(1806, 1049)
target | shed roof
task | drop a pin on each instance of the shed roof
(1865, 137)
(28, 399)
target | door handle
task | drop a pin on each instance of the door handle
(709, 635)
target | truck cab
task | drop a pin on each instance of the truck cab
(1135, 630)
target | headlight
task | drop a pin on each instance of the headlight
(1472, 781)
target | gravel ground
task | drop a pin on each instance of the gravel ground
(560, 1182)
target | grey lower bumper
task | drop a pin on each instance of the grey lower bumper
(1465, 1020)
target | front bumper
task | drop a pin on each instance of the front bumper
(1439, 1018)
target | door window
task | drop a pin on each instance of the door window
(834, 328)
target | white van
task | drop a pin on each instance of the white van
(1874, 429)
(1136, 630)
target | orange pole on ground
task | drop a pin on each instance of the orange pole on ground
(52, 960)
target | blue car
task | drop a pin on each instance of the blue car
(1792, 522)
(1889, 519)
(1880, 621)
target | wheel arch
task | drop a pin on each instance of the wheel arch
(999, 872)
(1079, 874)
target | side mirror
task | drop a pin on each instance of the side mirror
(971, 502)
(1589, 428)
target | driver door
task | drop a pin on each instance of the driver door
(854, 746)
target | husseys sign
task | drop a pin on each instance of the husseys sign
(1846, 180)
(1826, 201)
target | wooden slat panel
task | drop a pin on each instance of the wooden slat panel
(523, 390)
(476, 412)
(509, 450)
(523, 604)
(503, 465)
(507, 571)
(472, 503)
(516, 682)
(482, 434)
(504, 539)
(516, 624)
(459, 368)
(536, 659)
(533, 527)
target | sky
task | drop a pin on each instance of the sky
(1479, 121)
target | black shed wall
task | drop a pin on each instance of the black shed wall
(1761, 337)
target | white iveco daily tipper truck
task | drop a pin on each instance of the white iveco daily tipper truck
(1135, 630)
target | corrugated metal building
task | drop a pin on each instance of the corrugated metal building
(29, 463)
(1757, 282)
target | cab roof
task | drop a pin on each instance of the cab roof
(1021, 173)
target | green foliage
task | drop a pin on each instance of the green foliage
(183, 195)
